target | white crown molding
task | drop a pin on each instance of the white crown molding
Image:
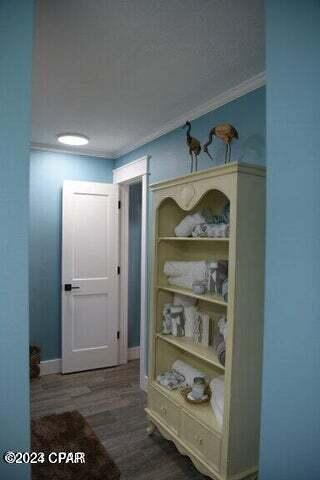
(72, 151)
(218, 101)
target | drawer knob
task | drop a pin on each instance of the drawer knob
(198, 439)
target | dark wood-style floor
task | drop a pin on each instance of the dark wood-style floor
(113, 405)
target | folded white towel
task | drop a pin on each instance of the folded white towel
(185, 227)
(182, 281)
(198, 270)
(217, 398)
(187, 371)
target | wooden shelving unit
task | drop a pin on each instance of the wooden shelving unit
(204, 414)
(207, 297)
(229, 451)
(193, 239)
(186, 344)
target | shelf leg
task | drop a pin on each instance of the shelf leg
(151, 428)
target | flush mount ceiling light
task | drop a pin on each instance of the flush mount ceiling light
(73, 139)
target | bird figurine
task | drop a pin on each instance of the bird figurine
(194, 147)
(225, 132)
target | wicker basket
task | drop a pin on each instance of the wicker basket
(186, 390)
(34, 361)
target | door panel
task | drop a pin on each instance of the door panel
(93, 333)
(90, 253)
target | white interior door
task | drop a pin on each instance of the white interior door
(90, 280)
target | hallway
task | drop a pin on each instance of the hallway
(112, 403)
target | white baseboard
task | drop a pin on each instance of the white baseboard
(47, 367)
(50, 366)
(133, 353)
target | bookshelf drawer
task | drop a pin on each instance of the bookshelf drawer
(203, 441)
(164, 408)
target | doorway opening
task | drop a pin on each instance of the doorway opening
(133, 181)
(134, 272)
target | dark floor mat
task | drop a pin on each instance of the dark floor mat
(69, 432)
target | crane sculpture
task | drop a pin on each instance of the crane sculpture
(194, 148)
(225, 132)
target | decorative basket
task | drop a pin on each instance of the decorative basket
(34, 361)
(186, 390)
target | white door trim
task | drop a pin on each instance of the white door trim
(125, 175)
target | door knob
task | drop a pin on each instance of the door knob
(68, 287)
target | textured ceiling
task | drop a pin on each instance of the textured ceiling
(119, 70)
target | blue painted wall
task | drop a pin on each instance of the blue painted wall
(134, 280)
(47, 172)
(291, 377)
(170, 157)
(16, 20)
(169, 154)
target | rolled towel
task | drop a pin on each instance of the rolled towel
(198, 270)
(187, 371)
(182, 281)
(185, 227)
(217, 398)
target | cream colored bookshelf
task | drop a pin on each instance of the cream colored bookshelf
(230, 452)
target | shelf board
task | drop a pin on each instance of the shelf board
(186, 344)
(194, 239)
(203, 413)
(207, 297)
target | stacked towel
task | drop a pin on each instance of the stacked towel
(176, 269)
(182, 282)
(190, 223)
(183, 274)
(185, 227)
(217, 398)
(211, 230)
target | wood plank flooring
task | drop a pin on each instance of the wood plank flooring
(113, 405)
